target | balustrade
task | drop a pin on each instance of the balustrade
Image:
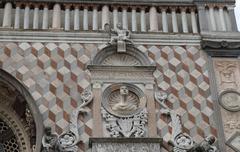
(219, 19)
(92, 17)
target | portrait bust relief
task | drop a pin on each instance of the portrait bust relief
(124, 100)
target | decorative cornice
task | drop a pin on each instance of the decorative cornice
(97, 37)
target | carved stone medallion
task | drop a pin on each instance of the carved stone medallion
(123, 100)
(230, 100)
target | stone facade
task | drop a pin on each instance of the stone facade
(165, 82)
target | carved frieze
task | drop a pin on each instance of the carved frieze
(122, 74)
(126, 147)
(125, 144)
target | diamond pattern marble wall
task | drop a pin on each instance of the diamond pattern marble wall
(55, 74)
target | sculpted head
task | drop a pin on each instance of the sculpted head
(119, 25)
(124, 90)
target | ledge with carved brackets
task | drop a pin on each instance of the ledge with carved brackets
(221, 48)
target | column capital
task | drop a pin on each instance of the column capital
(18, 4)
(123, 7)
(77, 6)
(45, 5)
(67, 6)
(84, 6)
(192, 9)
(183, 9)
(134, 7)
(172, 8)
(94, 6)
(36, 5)
(163, 9)
(212, 5)
(143, 8)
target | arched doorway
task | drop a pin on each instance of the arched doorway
(21, 124)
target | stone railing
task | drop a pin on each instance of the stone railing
(217, 18)
(85, 17)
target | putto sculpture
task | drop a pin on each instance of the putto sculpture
(67, 142)
(119, 36)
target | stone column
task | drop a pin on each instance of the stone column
(124, 18)
(194, 21)
(164, 20)
(97, 117)
(26, 16)
(85, 18)
(76, 18)
(7, 15)
(222, 20)
(134, 19)
(17, 16)
(105, 16)
(202, 17)
(56, 21)
(36, 16)
(95, 18)
(174, 20)
(231, 18)
(45, 17)
(115, 17)
(184, 20)
(212, 18)
(143, 20)
(153, 20)
(67, 18)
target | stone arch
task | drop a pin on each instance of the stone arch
(110, 56)
(11, 117)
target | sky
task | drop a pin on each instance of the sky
(237, 13)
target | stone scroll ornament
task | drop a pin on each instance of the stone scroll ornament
(67, 142)
(119, 36)
(182, 142)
